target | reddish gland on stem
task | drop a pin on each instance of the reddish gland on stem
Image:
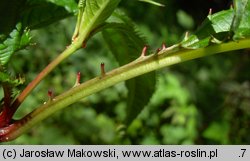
(144, 51)
(163, 46)
(102, 69)
(84, 44)
(210, 11)
(158, 50)
(50, 94)
(78, 78)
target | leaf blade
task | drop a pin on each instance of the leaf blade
(38, 14)
(95, 13)
(17, 40)
(241, 23)
(214, 29)
(128, 45)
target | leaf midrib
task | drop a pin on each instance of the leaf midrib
(95, 17)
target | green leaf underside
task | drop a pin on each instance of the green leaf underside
(32, 14)
(38, 14)
(218, 27)
(241, 23)
(9, 15)
(126, 45)
(96, 12)
(17, 40)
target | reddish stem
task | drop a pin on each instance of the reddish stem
(72, 48)
(5, 116)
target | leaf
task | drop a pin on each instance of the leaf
(126, 45)
(38, 14)
(153, 2)
(33, 13)
(141, 90)
(6, 78)
(17, 40)
(96, 12)
(69, 5)
(10, 15)
(241, 23)
(215, 29)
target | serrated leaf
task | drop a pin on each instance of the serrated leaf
(215, 27)
(141, 90)
(241, 23)
(126, 45)
(96, 12)
(6, 78)
(42, 13)
(17, 40)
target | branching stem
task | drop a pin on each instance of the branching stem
(69, 50)
(142, 65)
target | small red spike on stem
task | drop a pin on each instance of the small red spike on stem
(144, 51)
(163, 46)
(158, 50)
(84, 44)
(103, 69)
(78, 79)
(50, 94)
(210, 11)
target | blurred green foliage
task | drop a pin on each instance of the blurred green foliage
(204, 101)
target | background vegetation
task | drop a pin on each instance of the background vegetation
(204, 101)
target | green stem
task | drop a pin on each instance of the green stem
(138, 67)
(79, 39)
(70, 49)
(81, 6)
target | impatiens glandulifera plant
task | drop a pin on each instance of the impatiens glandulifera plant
(226, 30)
